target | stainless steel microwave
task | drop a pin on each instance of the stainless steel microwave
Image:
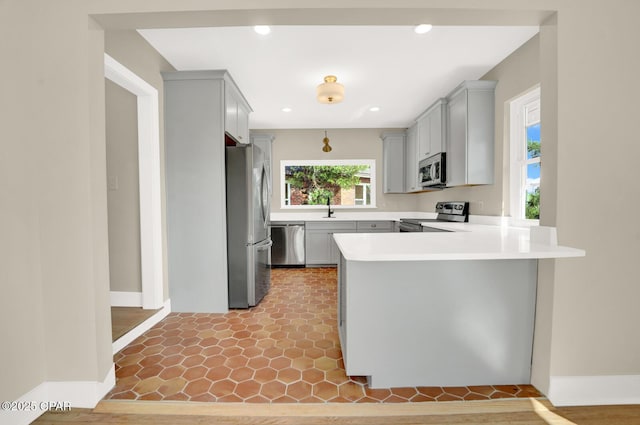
(432, 171)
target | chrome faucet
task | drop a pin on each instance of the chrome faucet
(329, 210)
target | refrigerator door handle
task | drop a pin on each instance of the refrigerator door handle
(265, 246)
(264, 184)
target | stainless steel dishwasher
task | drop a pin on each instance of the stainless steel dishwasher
(288, 244)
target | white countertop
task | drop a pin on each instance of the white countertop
(321, 215)
(468, 241)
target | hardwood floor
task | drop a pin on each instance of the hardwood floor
(494, 412)
(123, 319)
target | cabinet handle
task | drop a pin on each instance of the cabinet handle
(373, 225)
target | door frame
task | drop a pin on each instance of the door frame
(151, 266)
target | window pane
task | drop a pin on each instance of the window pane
(525, 144)
(533, 141)
(532, 206)
(313, 184)
(533, 174)
(532, 198)
(359, 195)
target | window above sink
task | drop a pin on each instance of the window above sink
(306, 184)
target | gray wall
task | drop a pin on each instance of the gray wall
(54, 312)
(346, 144)
(123, 200)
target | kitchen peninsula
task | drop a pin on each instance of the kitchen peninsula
(441, 309)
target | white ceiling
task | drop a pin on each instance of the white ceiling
(390, 67)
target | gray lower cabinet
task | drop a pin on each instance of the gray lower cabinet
(377, 226)
(317, 243)
(470, 133)
(322, 250)
(377, 299)
(320, 247)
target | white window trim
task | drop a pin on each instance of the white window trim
(364, 192)
(369, 162)
(286, 200)
(518, 160)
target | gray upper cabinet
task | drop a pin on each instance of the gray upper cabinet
(462, 125)
(393, 167)
(432, 130)
(411, 160)
(236, 118)
(470, 133)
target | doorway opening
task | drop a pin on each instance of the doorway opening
(148, 294)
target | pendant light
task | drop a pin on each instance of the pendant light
(330, 91)
(326, 147)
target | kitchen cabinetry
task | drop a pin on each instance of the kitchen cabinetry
(195, 126)
(411, 160)
(431, 127)
(320, 247)
(236, 118)
(470, 133)
(376, 300)
(393, 168)
(377, 226)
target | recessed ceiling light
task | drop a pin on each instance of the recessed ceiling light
(262, 29)
(374, 109)
(287, 109)
(423, 28)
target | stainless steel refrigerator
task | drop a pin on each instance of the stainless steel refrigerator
(248, 184)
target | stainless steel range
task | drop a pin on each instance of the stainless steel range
(452, 211)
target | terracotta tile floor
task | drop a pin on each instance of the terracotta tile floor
(286, 349)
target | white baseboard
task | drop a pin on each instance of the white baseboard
(594, 390)
(57, 395)
(127, 338)
(126, 299)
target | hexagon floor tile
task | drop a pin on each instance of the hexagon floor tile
(286, 349)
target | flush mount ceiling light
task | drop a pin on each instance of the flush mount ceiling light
(286, 109)
(374, 109)
(326, 147)
(262, 29)
(423, 28)
(330, 91)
